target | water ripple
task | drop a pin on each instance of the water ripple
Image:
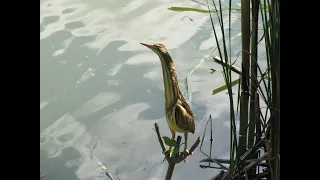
(100, 101)
(142, 58)
(88, 73)
(60, 135)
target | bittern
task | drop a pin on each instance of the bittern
(178, 113)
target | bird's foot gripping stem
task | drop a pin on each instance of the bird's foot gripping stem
(167, 153)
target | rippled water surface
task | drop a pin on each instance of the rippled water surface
(99, 84)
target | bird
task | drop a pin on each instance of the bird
(178, 113)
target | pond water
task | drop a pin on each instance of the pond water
(98, 84)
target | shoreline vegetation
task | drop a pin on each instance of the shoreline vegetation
(255, 150)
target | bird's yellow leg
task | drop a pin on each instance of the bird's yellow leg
(173, 137)
(186, 142)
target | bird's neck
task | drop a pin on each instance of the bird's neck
(171, 87)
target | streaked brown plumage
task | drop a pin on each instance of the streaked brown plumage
(178, 113)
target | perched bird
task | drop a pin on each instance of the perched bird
(178, 113)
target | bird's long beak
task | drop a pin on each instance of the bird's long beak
(147, 45)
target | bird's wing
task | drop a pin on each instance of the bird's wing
(184, 119)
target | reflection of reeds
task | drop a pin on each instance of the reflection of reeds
(103, 167)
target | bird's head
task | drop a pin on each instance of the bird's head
(160, 50)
